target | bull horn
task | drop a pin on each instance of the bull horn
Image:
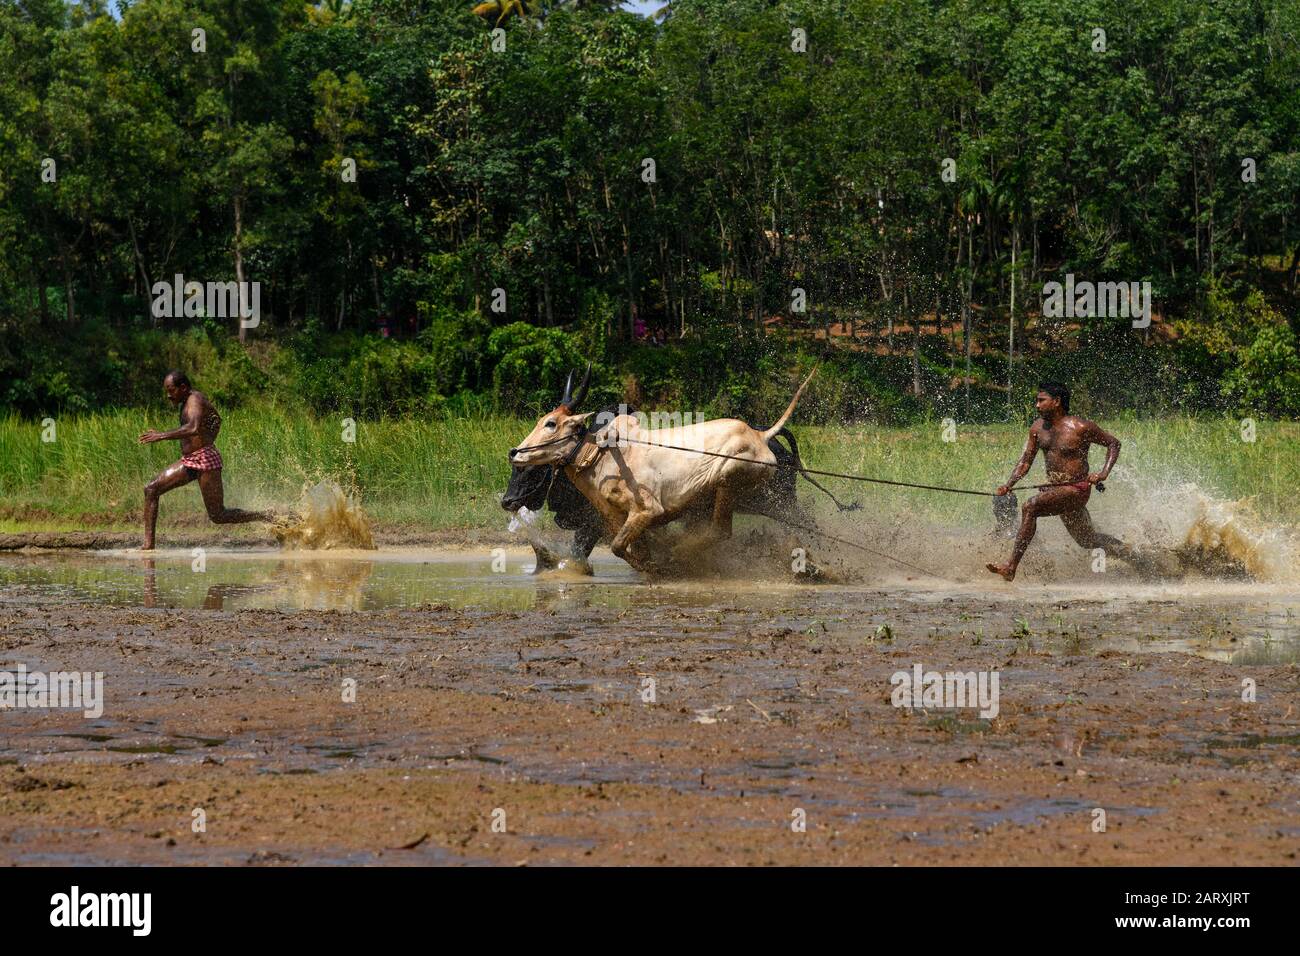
(582, 388)
(568, 391)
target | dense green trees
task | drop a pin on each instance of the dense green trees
(918, 169)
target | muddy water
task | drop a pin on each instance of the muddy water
(479, 685)
(1239, 622)
(341, 580)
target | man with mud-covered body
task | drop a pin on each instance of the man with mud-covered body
(1064, 440)
(199, 461)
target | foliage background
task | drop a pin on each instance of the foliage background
(521, 170)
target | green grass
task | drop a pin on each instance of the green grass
(432, 474)
(1155, 453)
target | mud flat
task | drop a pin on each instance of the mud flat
(521, 700)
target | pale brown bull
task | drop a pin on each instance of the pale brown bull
(635, 486)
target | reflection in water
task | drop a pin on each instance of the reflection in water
(326, 585)
(150, 582)
(215, 599)
(337, 580)
(1239, 622)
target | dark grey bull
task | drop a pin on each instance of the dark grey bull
(547, 485)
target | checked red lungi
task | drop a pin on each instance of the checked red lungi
(206, 458)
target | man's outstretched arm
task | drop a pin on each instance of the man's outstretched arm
(1026, 462)
(191, 426)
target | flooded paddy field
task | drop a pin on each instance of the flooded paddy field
(502, 717)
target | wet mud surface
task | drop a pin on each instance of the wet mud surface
(522, 703)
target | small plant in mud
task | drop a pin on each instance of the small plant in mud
(883, 633)
(1022, 631)
(978, 639)
(951, 724)
(1075, 643)
(811, 629)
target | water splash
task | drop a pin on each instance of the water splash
(1178, 528)
(1229, 539)
(525, 521)
(325, 518)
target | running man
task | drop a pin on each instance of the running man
(1064, 440)
(199, 458)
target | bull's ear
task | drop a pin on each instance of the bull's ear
(581, 418)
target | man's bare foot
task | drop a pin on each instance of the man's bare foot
(1007, 571)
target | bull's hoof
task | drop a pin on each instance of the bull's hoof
(645, 562)
(577, 565)
(546, 559)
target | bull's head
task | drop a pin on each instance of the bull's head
(528, 487)
(559, 432)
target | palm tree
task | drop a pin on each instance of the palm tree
(498, 10)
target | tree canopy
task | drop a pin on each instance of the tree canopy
(917, 169)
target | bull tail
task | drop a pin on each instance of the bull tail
(798, 465)
(785, 417)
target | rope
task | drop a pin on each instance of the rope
(553, 441)
(840, 474)
(860, 547)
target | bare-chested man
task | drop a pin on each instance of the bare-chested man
(199, 458)
(1064, 440)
